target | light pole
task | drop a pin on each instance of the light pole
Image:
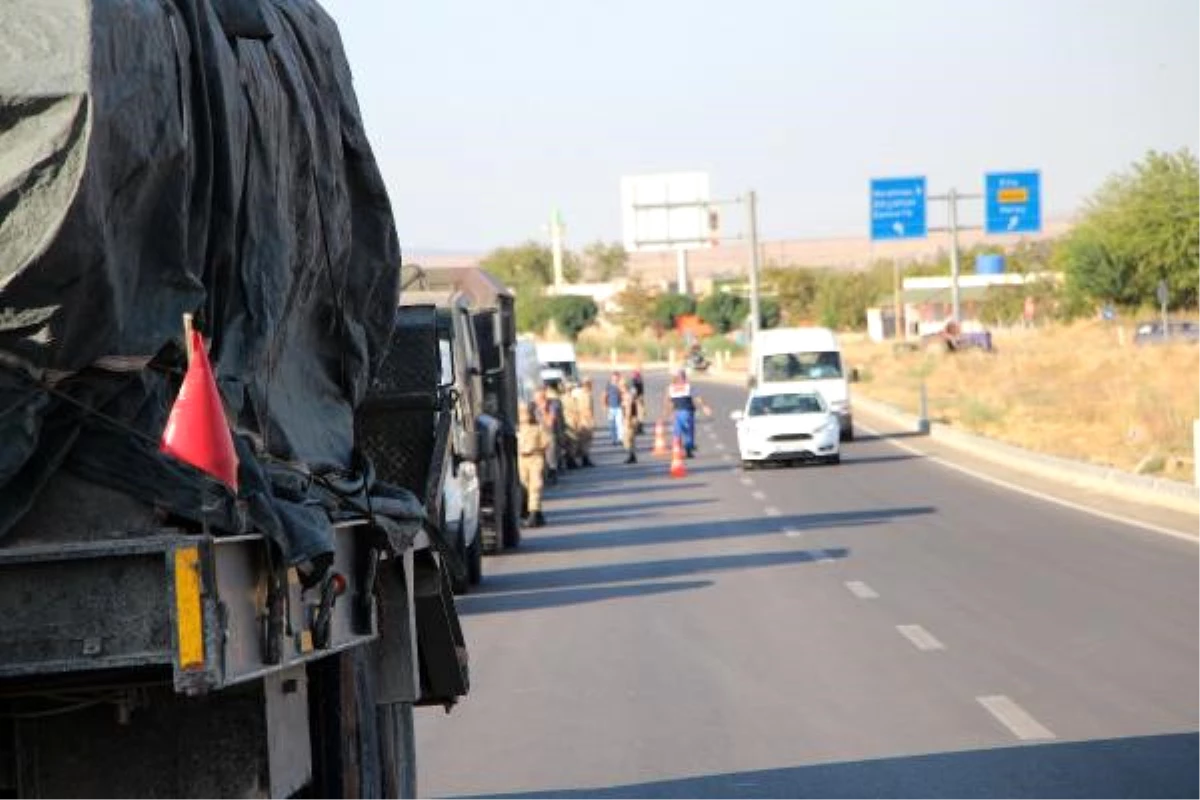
(752, 221)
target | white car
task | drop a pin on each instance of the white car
(784, 425)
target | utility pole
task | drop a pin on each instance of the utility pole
(897, 307)
(952, 198)
(955, 298)
(752, 218)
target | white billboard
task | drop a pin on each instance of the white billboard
(665, 211)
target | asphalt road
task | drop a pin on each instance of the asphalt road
(886, 627)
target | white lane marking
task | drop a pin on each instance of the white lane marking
(921, 638)
(1015, 718)
(720, 446)
(861, 590)
(758, 495)
(726, 457)
(747, 481)
(1003, 484)
(825, 556)
(792, 533)
(772, 511)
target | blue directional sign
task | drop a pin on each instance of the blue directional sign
(1013, 202)
(898, 208)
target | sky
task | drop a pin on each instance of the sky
(485, 116)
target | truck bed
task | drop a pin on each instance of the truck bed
(208, 611)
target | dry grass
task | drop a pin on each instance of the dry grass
(1079, 392)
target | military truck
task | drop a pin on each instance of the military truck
(485, 309)
(437, 398)
(166, 630)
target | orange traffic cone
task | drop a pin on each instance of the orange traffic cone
(660, 439)
(678, 468)
(197, 431)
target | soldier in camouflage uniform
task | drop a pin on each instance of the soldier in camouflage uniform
(532, 442)
(585, 420)
(629, 422)
(570, 440)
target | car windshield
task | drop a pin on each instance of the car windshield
(802, 366)
(775, 404)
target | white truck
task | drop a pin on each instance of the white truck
(558, 362)
(809, 359)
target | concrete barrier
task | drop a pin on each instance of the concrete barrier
(1162, 492)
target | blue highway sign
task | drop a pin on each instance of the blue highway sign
(898, 208)
(1013, 202)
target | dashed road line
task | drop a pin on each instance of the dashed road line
(920, 638)
(758, 494)
(824, 556)
(726, 457)
(792, 533)
(772, 511)
(861, 590)
(1015, 718)
(747, 481)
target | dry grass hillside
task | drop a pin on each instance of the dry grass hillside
(1083, 391)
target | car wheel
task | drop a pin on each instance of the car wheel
(847, 435)
(834, 459)
(475, 559)
(749, 465)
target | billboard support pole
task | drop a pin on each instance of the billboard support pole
(681, 269)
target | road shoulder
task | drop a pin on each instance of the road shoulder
(1148, 516)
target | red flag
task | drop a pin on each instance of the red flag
(197, 431)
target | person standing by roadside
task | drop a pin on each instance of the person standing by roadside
(544, 415)
(630, 423)
(639, 388)
(570, 427)
(681, 402)
(585, 416)
(558, 427)
(531, 462)
(612, 404)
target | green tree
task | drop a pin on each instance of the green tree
(669, 307)
(571, 314)
(637, 306)
(1140, 227)
(604, 261)
(532, 309)
(529, 265)
(769, 312)
(796, 289)
(724, 311)
(844, 297)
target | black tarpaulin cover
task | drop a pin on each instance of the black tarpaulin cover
(162, 157)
